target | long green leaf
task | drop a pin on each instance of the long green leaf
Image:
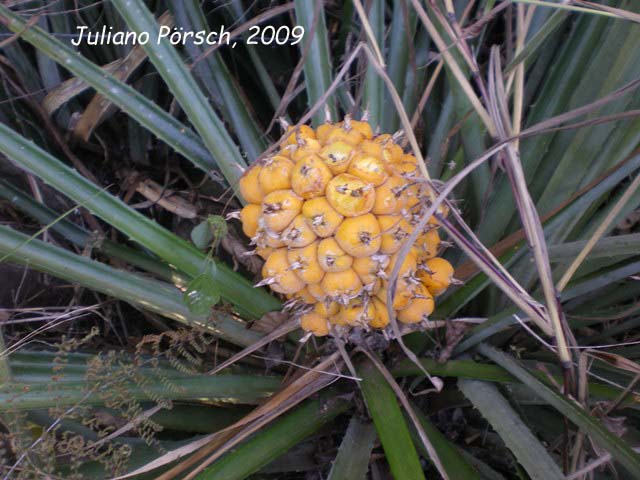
(147, 113)
(187, 92)
(512, 430)
(190, 16)
(354, 454)
(317, 64)
(390, 423)
(172, 249)
(224, 388)
(374, 89)
(494, 373)
(274, 440)
(150, 294)
(618, 448)
(79, 236)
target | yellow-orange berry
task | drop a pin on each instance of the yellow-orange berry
(337, 156)
(359, 236)
(298, 233)
(332, 257)
(369, 169)
(304, 263)
(249, 216)
(277, 269)
(341, 284)
(314, 323)
(275, 174)
(305, 148)
(323, 219)
(350, 195)
(395, 230)
(389, 198)
(249, 185)
(358, 312)
(310, 177)
(419, 308)
(381, 317)
(370, 269)
(437, 275)
(279, 208)
(304, 132)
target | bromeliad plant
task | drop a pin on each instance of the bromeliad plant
(526, 112)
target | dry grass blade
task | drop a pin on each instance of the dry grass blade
(277, 333)
(528, 213)
(597, 235)
(216, 444)
(426, 94)
(302, 388)
(71, 88)
(367, 28)
(100, 107)
(454, 67)
(595, 9)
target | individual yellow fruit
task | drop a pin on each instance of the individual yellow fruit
(316, 291)
(350, 196)
(370, 269)
(437, 276)
(381, 316)
(249, 185)
(343, 132)
(409, 158)
(359, 236)
(279, 208)
(268, 238)
(275, 174)
(370, 147)
(419, 308)
(392, 153)
(277, 268)
(310, 177)
(323, 131)
(389, 198)
(408, 269)
(304, 132)
(326, 308)
(322, 217)
(341, 284)
(358, 312)
(249, 216)
(383, 139)
(298, 233)
(429, 244)
(314, 323)
(395, 229)
(405, 169)
(332, 257)
(337, 156)
(307, 147)
(369, 169)
(304, 262)
(401, 298)
(363, 127)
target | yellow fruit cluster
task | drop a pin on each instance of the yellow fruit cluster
(329, 212)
